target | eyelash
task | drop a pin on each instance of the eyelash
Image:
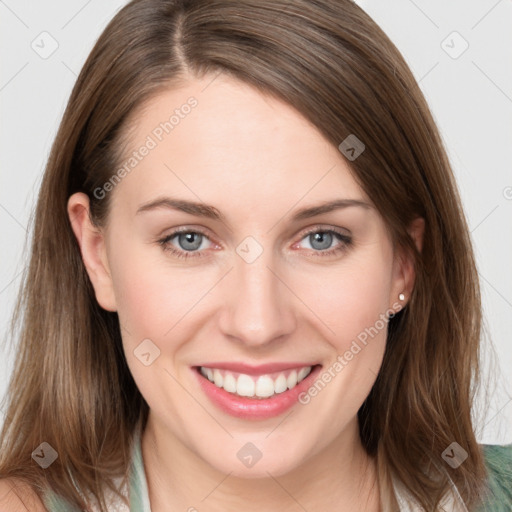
(345, 239)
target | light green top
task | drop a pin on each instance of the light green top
(138, 489)
(498, 461)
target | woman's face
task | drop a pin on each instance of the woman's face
(256, 277)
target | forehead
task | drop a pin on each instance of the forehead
(218, 139)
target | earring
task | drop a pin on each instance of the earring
(401, 296)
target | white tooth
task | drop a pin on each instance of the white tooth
(217, 378)
(303, 372)
(292, 379)
(229, 383)
(280, 384)
(264, 386)
(245, 385)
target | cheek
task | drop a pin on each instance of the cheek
(151, 296)
(352, 302)
(351, 298)
(155, 302)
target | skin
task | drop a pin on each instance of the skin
(17, 496)
(258, 161)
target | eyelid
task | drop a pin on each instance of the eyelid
(189, 229)
(325, 228)
(304, 232)
(344, 238)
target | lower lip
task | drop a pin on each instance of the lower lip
(255, 408)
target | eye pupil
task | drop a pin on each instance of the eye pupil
(324, 238)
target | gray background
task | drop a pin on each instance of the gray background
(44, 44)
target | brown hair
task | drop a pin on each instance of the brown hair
(71, 386)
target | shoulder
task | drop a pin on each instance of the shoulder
(17, 496)
(498, 461)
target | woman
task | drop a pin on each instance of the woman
(259, 367)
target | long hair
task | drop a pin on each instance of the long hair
(71, 386)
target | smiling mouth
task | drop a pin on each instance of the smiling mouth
(258, 387)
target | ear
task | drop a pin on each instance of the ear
(93, 249)
(404, 273)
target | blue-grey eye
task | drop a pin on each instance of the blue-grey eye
(190, 241)
(321, 240)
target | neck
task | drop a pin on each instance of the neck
(339, 477)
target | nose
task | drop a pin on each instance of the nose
(259, 305)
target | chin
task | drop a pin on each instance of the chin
(250, 463)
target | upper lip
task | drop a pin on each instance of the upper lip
(256, 370)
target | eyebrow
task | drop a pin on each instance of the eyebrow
(204, 210)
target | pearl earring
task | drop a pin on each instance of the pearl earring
(401, 296)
